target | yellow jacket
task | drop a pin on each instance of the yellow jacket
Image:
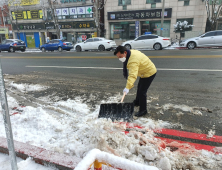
(139, 65)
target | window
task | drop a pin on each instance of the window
(89, 40)
(7, 20)
(141, 38)
(96, 39)
(186, 2)
(4, 42)
(209, 34)
(152, 36)
(124, 2)
(0, 21)
(153, 5)
(124, 7)
(153, 1)
(219, 33)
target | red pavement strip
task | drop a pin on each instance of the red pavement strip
(183, 134)
(41, 156)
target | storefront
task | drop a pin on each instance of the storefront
(31, 34)
(77, 31)
(141, 22)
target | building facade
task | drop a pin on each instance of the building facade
(5, 24)
(127, 19)
(39, 21)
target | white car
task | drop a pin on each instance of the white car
(208, 39)
(148, 41)
(96, 43)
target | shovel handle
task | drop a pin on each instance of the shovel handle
(124, 94)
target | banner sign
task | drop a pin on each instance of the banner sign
(140, 14)
(74, 11)
(137, 24)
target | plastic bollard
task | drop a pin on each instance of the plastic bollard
(97, 165)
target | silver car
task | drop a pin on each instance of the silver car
(208, 39)
(148, 41)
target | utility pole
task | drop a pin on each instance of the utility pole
(55, 19)
(97, 16)
(7, 122)
(3, 17)
(162, 18)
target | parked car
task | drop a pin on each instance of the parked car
(148, 41)
(12, 45)
(56, 44)
(208, 39)
(96, 43)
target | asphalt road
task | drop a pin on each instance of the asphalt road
(185, 78)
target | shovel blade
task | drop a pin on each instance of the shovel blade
(117, 111)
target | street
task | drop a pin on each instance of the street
(186, 91)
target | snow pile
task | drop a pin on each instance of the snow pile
(28, 87)
(70, 127)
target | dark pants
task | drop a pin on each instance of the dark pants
(141, 97)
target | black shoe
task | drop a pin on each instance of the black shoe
(136, 103)
(141, 113)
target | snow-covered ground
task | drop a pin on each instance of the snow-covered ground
(71, 127)
(27, 164)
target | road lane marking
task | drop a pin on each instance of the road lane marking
(109, 57)
(114, 68)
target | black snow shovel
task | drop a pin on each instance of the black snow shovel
(117, 111)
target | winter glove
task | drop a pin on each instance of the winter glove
(126, 90)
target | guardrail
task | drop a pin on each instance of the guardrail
(98, 158)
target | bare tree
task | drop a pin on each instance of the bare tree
(213, 8)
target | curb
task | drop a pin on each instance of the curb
(41, 156)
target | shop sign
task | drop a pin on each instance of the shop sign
(65, 25)
(3, 30)
(28, 26)
(23, 15)
(139, 14)
(74, 11)
(89, 24)
(23, 2)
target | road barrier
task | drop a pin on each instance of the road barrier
(98, 158)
